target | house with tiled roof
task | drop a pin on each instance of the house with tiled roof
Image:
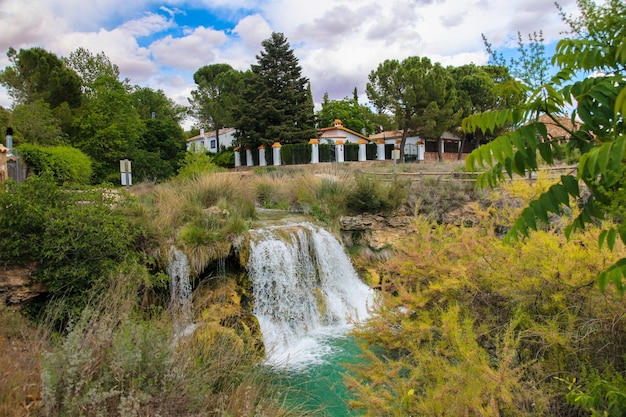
(339, 133)
(207, 141)
(416, 148)
(560, 130)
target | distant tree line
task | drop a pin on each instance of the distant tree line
(81, 102)
(272, 101)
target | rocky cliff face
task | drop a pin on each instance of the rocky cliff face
(16, 286)
(372, 231)
(375, 234)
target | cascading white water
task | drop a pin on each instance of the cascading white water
(304, 288)
(180, 292)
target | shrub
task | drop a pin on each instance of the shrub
(64, 163)
(372, 196)
(75, 237)
(225, 158)
(463, 306)
(195, 164)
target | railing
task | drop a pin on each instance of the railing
(466, 176)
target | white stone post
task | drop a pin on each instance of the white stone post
(441, 147)
(362, 152)
(249, 160)
(276, 150)
(421, 149)
(380, 150)
(339, 151)
(262, 161)
(315, 151)
(237, 158)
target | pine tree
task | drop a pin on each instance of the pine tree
(276, 102)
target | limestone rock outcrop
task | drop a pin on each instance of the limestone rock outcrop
(16, 286)
(375, 232)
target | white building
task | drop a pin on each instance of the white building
(339, 133)
(208, 141)
(416, 148)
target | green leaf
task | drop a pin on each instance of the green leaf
(549, 202)
(614, 273)
(620, 103)
(604, 153)
(622, 233)
(545, 150)
(540, 212)
(602, 238)
(611, 238)
(571, 185)
(519, 164)
(529, 218)
(560, 193)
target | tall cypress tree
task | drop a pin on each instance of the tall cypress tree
(276, 102)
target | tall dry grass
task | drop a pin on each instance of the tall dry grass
(21, 347)
(116, 362)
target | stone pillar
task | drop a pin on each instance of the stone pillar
(249, 160)
(237, 158)
(421, 149)
(315, 151)
(339, 151)
(276, 150)
(362, 151)
(380, 150)
(441, 147)
(4, 172)
(262, 161)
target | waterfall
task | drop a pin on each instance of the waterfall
(180, 292)
(304, 288)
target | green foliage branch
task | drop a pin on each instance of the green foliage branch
(599, 103)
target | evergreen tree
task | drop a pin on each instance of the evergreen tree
(38, 74)
(276, 103)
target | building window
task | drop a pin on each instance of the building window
(213, 144)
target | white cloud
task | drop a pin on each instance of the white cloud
(189, 52)
(338, 42)
(252, 30)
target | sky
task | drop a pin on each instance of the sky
(160, 44)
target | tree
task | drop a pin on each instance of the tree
(38, 74)
(353, 115)
(599, 104)
(419, 94)
(35, 123)
(108, 127)
(213, 102)
(151, 104)
(89, 67)
(480, 89)
(161, 148)
(159, 151)
(530, 65)
(275, 105)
